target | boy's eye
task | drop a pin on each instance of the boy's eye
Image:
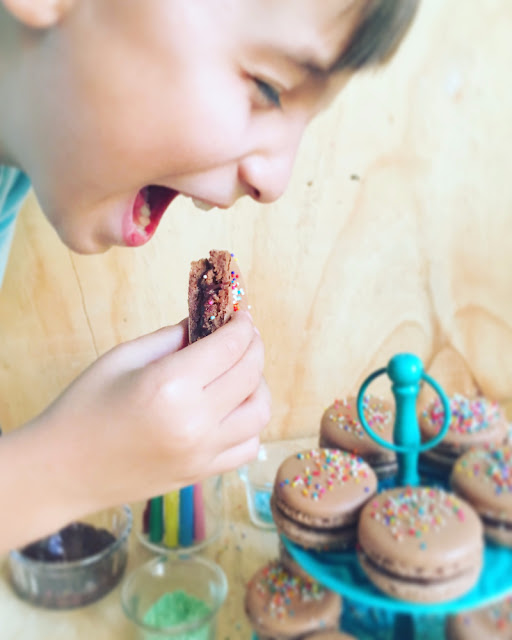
(269, 92)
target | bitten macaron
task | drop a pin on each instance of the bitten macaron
(489, 623)
(483, 477)
(340, 428)
(475, 422)
(318, 495)
(420, 544)
(284, 606)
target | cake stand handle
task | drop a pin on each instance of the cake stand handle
(406, 373)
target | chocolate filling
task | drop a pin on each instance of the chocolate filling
(495, 523)
(410, 579)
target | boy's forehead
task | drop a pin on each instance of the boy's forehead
(313, 30)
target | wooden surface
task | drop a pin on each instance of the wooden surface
(395, 234)
(240, 550)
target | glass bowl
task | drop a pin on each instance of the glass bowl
(175, 597)
(259, 475)
(209, 508)
(68, 584)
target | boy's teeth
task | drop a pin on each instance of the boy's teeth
(204, 206)
(145, 211)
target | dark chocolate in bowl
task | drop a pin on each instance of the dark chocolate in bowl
(76, 566)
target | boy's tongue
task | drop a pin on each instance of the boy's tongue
(149, 206)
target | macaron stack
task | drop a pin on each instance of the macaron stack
(340, 428)
(475, 422)
(420, 544)
(483, 477)
(318, 495)
(284, 606)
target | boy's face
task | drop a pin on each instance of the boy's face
(132, 103)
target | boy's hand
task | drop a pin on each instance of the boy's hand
(155, 414)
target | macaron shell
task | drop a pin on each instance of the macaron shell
(490, 623)
(333, 539)
(421, 532)
(484, 478)
(475, 421)
(323, 487)
(426, 592)
(340, 428)
(281, 605)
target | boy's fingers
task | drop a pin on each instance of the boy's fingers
(140, 352)
(211, 356)
(247, 420)
(234, 386)
(236, 456)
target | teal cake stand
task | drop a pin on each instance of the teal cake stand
(341, 571)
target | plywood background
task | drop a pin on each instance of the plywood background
(395, 234)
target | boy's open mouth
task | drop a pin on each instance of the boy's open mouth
(149, 206)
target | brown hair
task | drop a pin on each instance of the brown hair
(381, 28)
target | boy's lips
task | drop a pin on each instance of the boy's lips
(140, 223)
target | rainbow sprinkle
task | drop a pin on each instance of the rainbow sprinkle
(237, 291)
(468, 416)
(325, 468)
(286, 590)
(414, 512)
(377, 414)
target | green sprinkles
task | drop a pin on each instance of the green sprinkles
(179, 608)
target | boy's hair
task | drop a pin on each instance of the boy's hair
(382, 26)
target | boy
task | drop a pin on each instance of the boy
(113, 108)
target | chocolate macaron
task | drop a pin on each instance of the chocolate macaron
(284, 606)
(318, 495)
(475, 422)
(215, 292)
(420, 544)
(340, 428)
(490, 623)
(483, 477)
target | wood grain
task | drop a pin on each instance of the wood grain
(394, 234)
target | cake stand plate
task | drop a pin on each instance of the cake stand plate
(342, 573)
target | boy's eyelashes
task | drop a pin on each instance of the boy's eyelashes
(270, 93)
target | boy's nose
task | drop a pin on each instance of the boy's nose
(265, 175)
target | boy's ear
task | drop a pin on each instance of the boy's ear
(38, 14)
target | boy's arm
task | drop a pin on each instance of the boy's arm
(150, 416)
(36, 485)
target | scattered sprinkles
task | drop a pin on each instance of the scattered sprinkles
(492, 466)
(325, 468)
(468, 415)
(376, 411)
(414, 512)
(286, 590)
(237, 290)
